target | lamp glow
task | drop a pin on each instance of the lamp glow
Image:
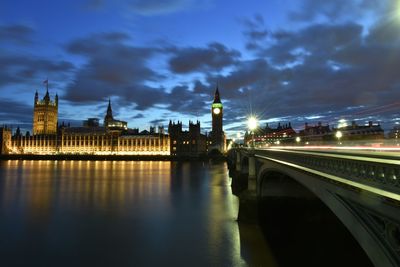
(252, 123)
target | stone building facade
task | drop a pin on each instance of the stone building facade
(45, 114)
(187, 143)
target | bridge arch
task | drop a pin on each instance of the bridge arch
(289, 182)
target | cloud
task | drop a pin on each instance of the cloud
(138, 116)
(155, 7)
(159, 122)
(214, 57)
(113, 68)
(13, 112)
(16, 33)
(317, 40)
(254, 31)
(22, 69)
(338, 10)
(148, 7)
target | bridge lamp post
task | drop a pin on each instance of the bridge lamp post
(339, 135)
(252, 125)
(298, 139)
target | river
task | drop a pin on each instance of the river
(123, 213)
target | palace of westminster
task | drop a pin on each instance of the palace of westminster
(113, 137)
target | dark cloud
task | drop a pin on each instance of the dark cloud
(214, 57)
(113, 69)
(159, 122)
(338, 10)
(319, 40)
(147, 7)
(183, 100)
(117, 69)
(22, 69)
(155, 7)
(13, 112)
(16, 33)
(254, 31)
(138, 116)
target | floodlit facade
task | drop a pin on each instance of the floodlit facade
(45, 114)
(91, 139)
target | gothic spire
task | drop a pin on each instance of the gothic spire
(216, 96)
(109, 110)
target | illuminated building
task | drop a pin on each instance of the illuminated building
(5, 140)
(112, 124)
(394, 133)
(356, 132)
(268, 135)
(45, 113)
(114, 138)
(187, 143)
(217, 137)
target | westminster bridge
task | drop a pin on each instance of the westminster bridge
(361, 188)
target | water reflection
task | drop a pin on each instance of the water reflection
(80, 213)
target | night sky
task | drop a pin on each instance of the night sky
(283, 60)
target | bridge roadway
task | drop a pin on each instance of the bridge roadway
(361, 186)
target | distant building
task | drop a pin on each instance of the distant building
(91, 122)
(316, 134)
(264, 136)
(112, 124)
(187, 143)
(45, 114)
(355, 132)
(394, 133)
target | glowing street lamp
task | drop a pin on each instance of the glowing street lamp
(252, 125)
(298, 139)
(339, 135)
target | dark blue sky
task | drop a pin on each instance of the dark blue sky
(284, 60)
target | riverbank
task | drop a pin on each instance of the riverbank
(111, 157)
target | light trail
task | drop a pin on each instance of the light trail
(370, 148)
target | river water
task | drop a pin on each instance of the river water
(122, 213)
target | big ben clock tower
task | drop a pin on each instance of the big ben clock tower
(217, 135)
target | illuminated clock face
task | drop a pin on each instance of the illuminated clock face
(216, 111)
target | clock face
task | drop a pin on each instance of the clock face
(216, 111)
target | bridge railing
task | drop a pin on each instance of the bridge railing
(375, 171)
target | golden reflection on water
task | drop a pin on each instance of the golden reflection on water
(101, 184)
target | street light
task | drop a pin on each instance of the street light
(252, 125)
(339, 135)
(298, 139)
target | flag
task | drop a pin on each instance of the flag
(46, 81)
